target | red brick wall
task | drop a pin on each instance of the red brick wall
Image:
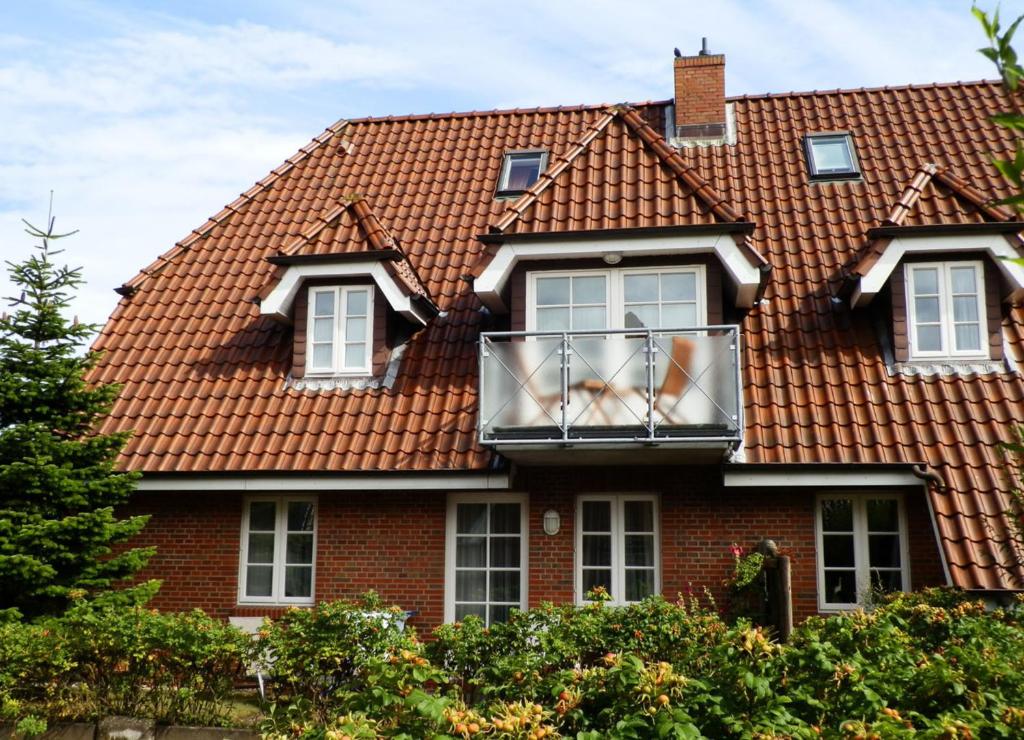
(394, 542)
(700, 89)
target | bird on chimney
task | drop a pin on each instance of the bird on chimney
(677, 52)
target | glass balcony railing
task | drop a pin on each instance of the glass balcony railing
(611, 386)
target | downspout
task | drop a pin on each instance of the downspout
(931, 477)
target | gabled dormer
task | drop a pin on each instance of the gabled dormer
(613, 272)
(943, 256)
(351, 294)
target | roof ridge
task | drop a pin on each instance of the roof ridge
(244, 199)
(965, 190)
(848, 90)
(503, 112)
(925, 173)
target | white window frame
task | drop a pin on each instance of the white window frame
(861, 552)
(506, 168)
(618, 543)
(947, 328)
(341, 293)
(616, 290)
(280, 544)
(451, 523)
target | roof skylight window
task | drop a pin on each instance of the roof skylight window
(831, 157)
(520, 170)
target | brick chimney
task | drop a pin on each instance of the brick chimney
(700, 95)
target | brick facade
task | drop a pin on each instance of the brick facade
(394, 542)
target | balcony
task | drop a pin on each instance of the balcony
(610, 389)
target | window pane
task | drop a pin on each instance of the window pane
(553, 291)
(640, 550)
(884, 550)
(262, 516)
(837, 550)
(523, 171)
(465, 610)
(837, 515)
(300, 516)
(323, 330)
(355, 330)
(323, 303)
(299, 549)
(500, 613)
(597, 516)
(926, 281)
(926, 309)
(355, 355)
(323, 355)
(642, 315)
(640, 288)
(259, 580)
(505, 586)
(471, 585)
(963, 279)
(585, 319)
(298, 582)
(471, 519)
(471, 552)
(678, 315)
(356, 303)
(552, 319)
(597, 549)
(883, 515)
(679, 287)
(639, 516)
(887, 580)
(840, 587)
(965, 308)
(831, 154)
(929, 338)
(590, 289)
(261, 548)
(592, 578)
(505, 519)
(639, 584)
(505, 552)
(968, 336)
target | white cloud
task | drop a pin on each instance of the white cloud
(149, 123)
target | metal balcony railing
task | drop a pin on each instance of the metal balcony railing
(619, 385)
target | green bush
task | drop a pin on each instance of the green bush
(102, 659)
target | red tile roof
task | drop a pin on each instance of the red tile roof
(204, 373)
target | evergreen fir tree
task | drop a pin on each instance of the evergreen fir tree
(58, 482)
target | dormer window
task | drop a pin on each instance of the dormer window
(830, 156)
(520, 170)
(340, 330)
(946, 310)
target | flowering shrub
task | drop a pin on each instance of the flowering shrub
(102, 659)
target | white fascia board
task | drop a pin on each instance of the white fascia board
(280, 300)
(491, 281)
(996, 245)
(304, 483)
(790, 478)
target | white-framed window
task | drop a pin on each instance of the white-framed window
(946, 310)
(618, 546)
(519, 170)
(340, 330)
(861, 547)
(831, 156)
(278, 553)
(617, 298)
(486, 556)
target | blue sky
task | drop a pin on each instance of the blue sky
(147, 117)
